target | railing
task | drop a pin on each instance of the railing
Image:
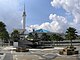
(60, 43)
(66, 42)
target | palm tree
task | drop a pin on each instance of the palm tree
(71, 34)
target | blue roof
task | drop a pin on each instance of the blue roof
(42, 31)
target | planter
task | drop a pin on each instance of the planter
(69, 51)
(20, 49)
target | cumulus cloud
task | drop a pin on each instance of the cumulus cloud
(60, 23)
(70, 6)
(30, 28)
(10, 13)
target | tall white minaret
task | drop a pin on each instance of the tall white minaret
(24, 18)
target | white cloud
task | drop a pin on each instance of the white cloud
(60, 23)
(70, 6)
(10, 14)
(30, 28)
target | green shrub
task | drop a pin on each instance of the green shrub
(74, 47)
(63, 49)
(69, 52)
(71, 46)
(76, 52)
(17, 49)
(69, 49)
(61, 52)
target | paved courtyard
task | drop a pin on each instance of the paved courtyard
(37, 54)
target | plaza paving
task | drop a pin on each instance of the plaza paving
(37, 54)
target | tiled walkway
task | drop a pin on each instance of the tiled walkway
(40, 54)
(8, 56)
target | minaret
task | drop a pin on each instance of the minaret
(24, 19)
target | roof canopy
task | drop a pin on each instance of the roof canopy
(42, 31)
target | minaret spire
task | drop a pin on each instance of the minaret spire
(24, 18)
(24, 6)
(24, 12)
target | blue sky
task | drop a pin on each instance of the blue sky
(52, 15)
(38, 11)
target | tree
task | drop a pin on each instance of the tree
(53, 37)
(36, 36)
(30, 36)
(45, 37)
(4, 35)
(56, 37)
(71, 34)
(33, 36)
(15, 35)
